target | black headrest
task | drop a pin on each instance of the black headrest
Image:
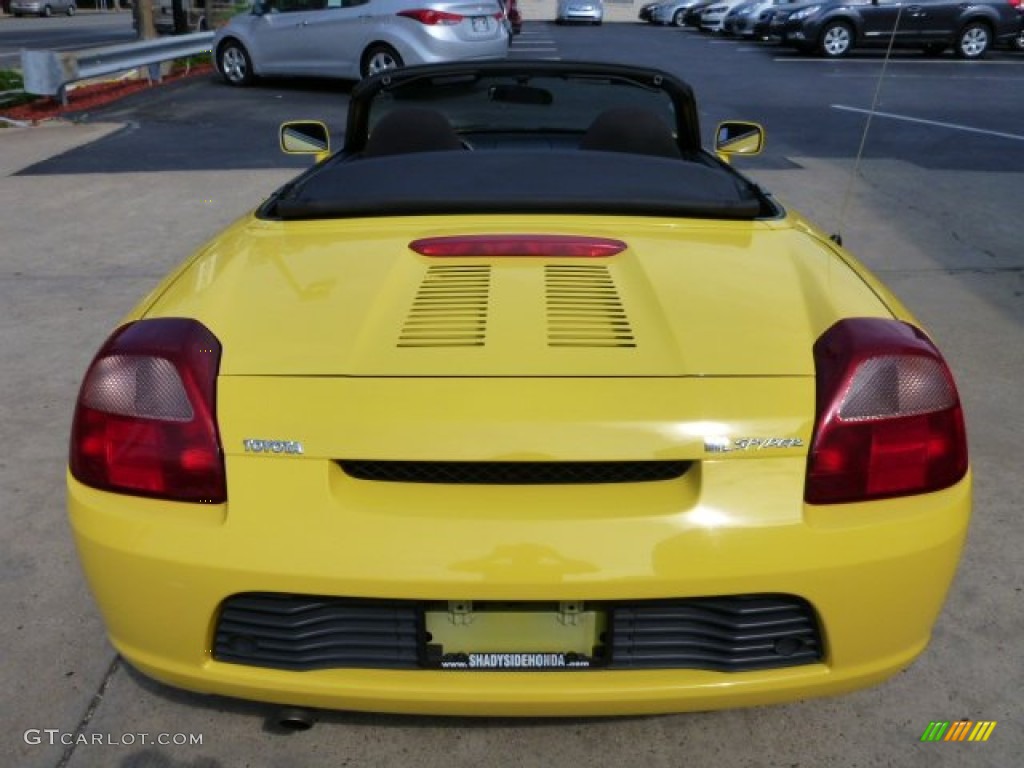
(411, 129)
(633, 130)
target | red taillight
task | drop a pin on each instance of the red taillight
(145, 419)
(889, 421)
(431, 18)
(571, 246)
(1015, 3)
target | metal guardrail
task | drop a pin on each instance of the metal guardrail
(48, 73)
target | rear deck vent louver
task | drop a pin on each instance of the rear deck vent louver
(450, 308)
(584, 308)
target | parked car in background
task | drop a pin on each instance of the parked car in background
(580, 11)
(42, 7)
(356, 38)
(644, 14)
(713, 17)
(191, 17)
(694, 12)
(751, 19)
(671, 12)
(833, 28)
(194, 15)
(739, 20)
(762, 25)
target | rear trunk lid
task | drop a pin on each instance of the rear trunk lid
(347, 358)
(349, 298)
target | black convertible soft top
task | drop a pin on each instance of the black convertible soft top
(522, 137)
(515, 181)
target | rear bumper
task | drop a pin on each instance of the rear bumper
(516, 694)
(876, 576)
(570, 16)
(428, 49)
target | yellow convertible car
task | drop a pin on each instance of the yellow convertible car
(520, 403)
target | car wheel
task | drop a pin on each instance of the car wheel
(71, 10)
(973, 41)
(836, 39)
(679, 18)
(234, 63)
(379, 58)
(46, 12)
(1018, 41)
(934, 49)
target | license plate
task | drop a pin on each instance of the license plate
(513, 638)
(480, 24)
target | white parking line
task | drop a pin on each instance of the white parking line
(936, 123)
(880, 61)
(539, 43)
(896, 76)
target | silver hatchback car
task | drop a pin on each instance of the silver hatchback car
(352, 39)
(42, 7)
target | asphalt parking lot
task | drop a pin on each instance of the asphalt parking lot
(93, 212)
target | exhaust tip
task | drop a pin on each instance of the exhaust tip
(293, 719)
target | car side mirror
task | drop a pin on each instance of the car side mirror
(736, 137)
(306, 137)
(259, 8)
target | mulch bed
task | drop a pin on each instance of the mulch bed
(88, 97)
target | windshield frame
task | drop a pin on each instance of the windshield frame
(366, 95)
